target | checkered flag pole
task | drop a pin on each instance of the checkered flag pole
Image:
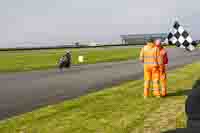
(180, 37)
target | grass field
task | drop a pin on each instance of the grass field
(120, 109)
(12, 61)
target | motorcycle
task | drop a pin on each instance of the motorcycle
(65, 61)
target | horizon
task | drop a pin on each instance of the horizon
(85, 21)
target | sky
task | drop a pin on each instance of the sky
(45, 22)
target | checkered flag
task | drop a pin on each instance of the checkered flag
(181, 38)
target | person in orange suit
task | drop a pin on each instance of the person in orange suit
(162, 68)
(149, 56)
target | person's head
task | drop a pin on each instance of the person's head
(150, 41)
(67, 51)
(157, 42)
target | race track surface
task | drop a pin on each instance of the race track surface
(25, 91)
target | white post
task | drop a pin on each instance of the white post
(80, 59)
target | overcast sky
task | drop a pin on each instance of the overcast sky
(98, 20)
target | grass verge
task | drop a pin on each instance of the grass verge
(13, 61)
(119, 109)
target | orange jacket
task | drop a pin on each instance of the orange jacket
(149, 55)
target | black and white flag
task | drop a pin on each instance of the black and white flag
(180, 37)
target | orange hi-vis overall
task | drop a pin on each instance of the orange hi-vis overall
(162, 68)
(149, 55)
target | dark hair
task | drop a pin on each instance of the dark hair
(151, 40)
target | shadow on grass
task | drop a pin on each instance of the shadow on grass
(186, 92)
(180, 93)
(197, 84)
(184, 130)
(192, 103)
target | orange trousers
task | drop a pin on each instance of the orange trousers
(151, 74)
(163, 80)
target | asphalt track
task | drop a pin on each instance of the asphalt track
(25, 91)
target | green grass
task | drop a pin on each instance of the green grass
(12, 61)
(198, 45)
(119, 109)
